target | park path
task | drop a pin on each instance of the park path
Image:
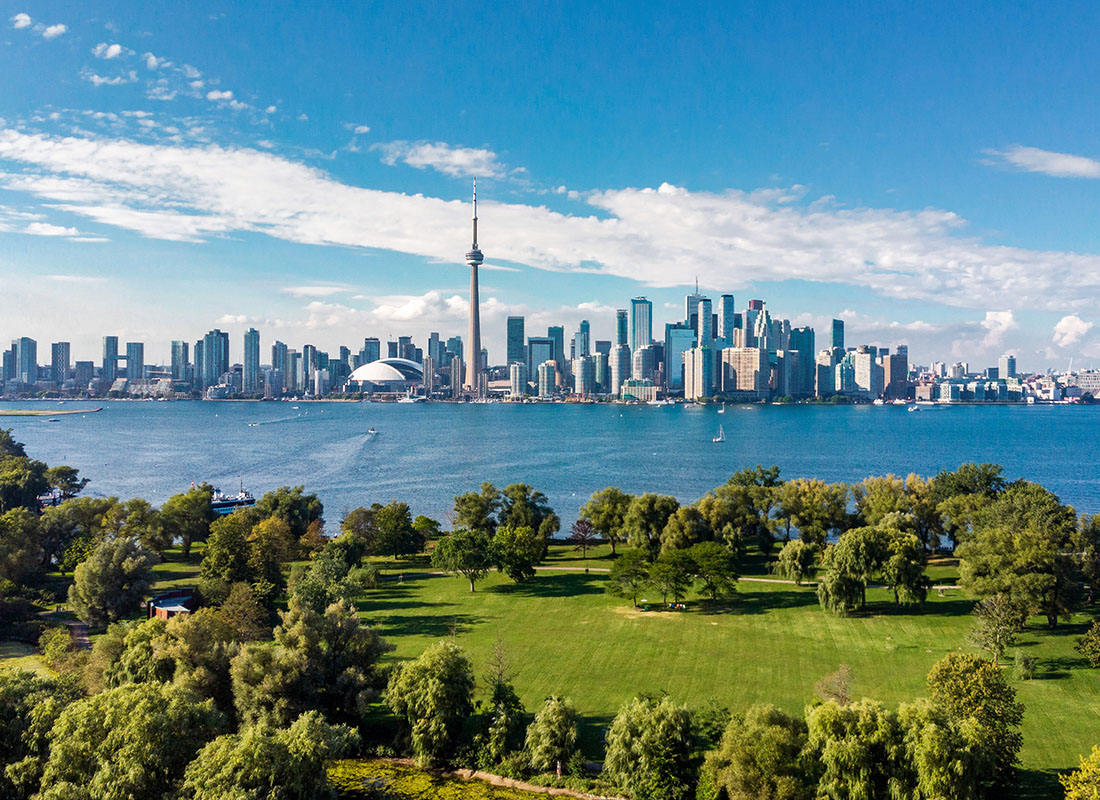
(77, 629)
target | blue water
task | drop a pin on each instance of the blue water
(424, 454)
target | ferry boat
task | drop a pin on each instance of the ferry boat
(223, 503)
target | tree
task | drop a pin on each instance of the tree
(187, 517)
(606, 510)
(523, 506)
(313, 540)
(815, 508)
(112, 582)
(947, 757)
(860, 750)
(22, 481)
(649, 749)
(29, 706)
(1089, 645)
(629, 575)
(70, 531)
(225, 559)
(1022, 546)
(996, 620)
(245, 614)
(904, 566)
(200, 647)
(686, 527)
(835, 687)
(974, 691)
(21, 556)
(293, 506)
(716, 567)
(135, 659)
(66, 481)
(505, 734)
(1086, 545)
(397, 536)
(797, 561)
(759, 757)
(477, 511)
(133, 741)
(360, 532)
(646, 519)
(138, 519)
(427, 527)
(271, 543)
(9, 447)
(329, 578)
(1084, 782)
(432, 696)
(468, 553)
(670, 574)
(517, 551)
(849, 565)
(552, 735)
(250, 764)
(986, 480)
(583, 537)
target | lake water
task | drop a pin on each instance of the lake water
(424, 454)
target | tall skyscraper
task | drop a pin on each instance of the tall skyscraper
(110, 358)
(60, 363)
(181, 359)
(679, 338)
(745, 369)
(581, 346)
(557, 334)
(838, 334)
(473, 338)
(726, 318)
(435, 348)
(618, 367)
(704, 325)
(135, 361)
(215, 358)
(803, 380)
(1006, 366)
(547, 374)
(641, 323)
(698, 372)
(691, 308)
(622, 327)
(539, 350)
(26, 360)
(515, 336)
(250, 377)
(372, 350)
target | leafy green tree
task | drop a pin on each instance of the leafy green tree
(685, 528)
(629, 575)
(797, 561)
(517, 551)
(138, 519)
(759, 756)
(329, 578)
(9, 447)
(986, 480)
(646, 519)
(1089, 645)
(57, 648)
(476, 511)
(187, 517)
(22, 482)
(200, 647)
(70, 531)
(716, 567)
(649, 749)
(326, 662)
(271, 543)
(671, 574)
(21, 555)
(878, 496)
(133, 741)
(1086, 546)
(427, 527)
(975, 693)
(947, 757)
(849, 565)
(397, 536)
(293, 506)
(65, 480)
(245, 614)
(552, 735)
(225, 559)
(996, 620)
(29, 706)
(582, 535)
(262, 762)
(506, 729)
(360, 532)
(432, 696)
(606, 510)
(522, 506)
(1022, 547)
(860, 750)
(137, 660)
(1084, 782)
(904, 566)
(468, 553)
(112, 582)
(815, 508)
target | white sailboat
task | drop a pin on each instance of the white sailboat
(721, 437)
(722, 408)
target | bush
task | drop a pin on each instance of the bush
(1025, 667)
(1089, 645)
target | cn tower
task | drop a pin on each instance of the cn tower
(473, 340)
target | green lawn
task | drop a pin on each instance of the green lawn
(564, 635)
(17, 655)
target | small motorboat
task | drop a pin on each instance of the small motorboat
(371, 432)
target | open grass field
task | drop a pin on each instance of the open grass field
(17, 655)
(565, 636)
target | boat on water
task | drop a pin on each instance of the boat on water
(222, 503)
(721, 437)
(914, 408)
(372, 432)
(722, 408)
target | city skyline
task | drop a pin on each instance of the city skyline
(165, 171)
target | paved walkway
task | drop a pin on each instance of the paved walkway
(78, 630)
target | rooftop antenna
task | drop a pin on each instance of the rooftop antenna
(475, 214)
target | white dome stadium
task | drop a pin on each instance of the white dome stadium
(389, 374)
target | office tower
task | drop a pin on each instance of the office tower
(748, 324)
(515, 336)
(539, 349)
(517, 378)
(407, 350)
(391, 350)
(698, 371)
(454, 346)
(579, 347)
(825, 373)
(215, 358)
(618, 367)
(250, 377)
(341, 368)
(602, 346)
(1006, 366)
(727, 318)
(60, 362)
(430, 380)
(679, 338)
(135, 361)
(8, 371)
(691, 309)
(83, 374)
(895, 376)
(458, 373)
(309, 364)
(371, 352)
(801, 340)
(641, 323)
(435, 348)
(557, 334)
(744, 370)
(622, 327)
(273, 382)
(644, 363)
(584, 376)
(902, 350)
(474, 259)
(868, 373)
(704, 323)
(280, 359)
(110, 358)
(26, 359)
(603, 381)
(321, 384)
(181, 359)
(295, 376)
(838, 334)
(548, 371)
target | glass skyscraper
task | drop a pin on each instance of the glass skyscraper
(641, 323)
(515, 340)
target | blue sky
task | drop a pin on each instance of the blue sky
(925, 170)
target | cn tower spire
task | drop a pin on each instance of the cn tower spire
(474, 367)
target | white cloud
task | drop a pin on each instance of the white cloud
(270, 110)
(104, 50)
(662, 236)
(458, 162)
(75, 278)
(20, 20)
(219, 95)
(46, 229)
(152, 62)
(313, 291)
(53, 31)
(361, 129)
(997, 324)
(114, 80)
(1058, 165)
(1070, 329)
